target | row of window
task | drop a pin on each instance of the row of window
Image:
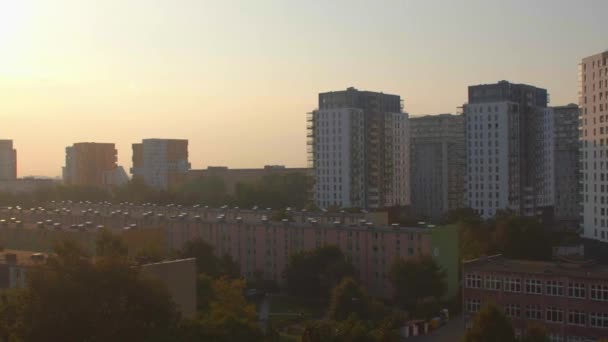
(537, 287)
(549, 314)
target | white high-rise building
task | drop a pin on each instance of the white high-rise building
(593, 103)
(359, 150)
(509, 142)
(161, 163)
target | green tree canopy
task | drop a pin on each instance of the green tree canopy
(207, 262)
(415, 279)
(490, 324)
(314, 273)
(75, 298)
(347, 298)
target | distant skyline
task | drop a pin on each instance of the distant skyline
(236, 78)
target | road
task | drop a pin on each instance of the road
(451, 332)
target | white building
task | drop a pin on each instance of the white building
(593, 103)
(359, 150)
(161, 163)
(509, 144)
(338, 145)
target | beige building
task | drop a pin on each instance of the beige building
(179, 276)
(90, 164)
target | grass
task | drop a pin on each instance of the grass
(287, 311)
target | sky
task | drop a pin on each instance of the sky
(237, 78)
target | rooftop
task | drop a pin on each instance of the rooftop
(21, 257)
(565, 267)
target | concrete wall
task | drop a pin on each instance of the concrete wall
(179, 276)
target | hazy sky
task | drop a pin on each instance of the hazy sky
(237, 77)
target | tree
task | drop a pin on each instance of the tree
(108, 244)
(314, 273)
(490, 324)
(348, 298)
(207, 262)
(350, 330)
(415, 279)
(230, 317)
(74, 297)
(535, 333)
(522, 238)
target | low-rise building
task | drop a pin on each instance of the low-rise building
(231, 177)
(570, 299)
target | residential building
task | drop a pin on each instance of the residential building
(567, 171)
(161, 163)
(14, 265)
(90, 164)
(254, 241)
(437, 160)
(8, 161)
(593, 121)
(568, 298)
(27, 185)
(231, 177)
(509, 149)
(358, 148)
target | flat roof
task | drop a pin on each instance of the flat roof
(565, 267)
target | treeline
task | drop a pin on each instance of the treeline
(272, 191)
(77, 297)
(513, 236)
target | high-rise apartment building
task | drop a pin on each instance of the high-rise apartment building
(8, 161)
(437, 158)
(566, 158)
(358, 146)
(593, 121)
(90, 164)
(509, 149)
(161, 163)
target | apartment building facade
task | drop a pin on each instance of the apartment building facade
(509, 149)
(437, 159)
(567, 165)
(358, 145)
(90, 164)
(8, 161)
(593, 123)
(161, 163)
(569, 299)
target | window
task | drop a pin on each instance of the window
(534, 312)
(473, 281)
(473, 305)
(577, 290)
(577, 318)
(493, 283)
(512, 285)
(598, 292)
(554, 288)
(513, 310)
(533, 286)
(598, 320)
(554, 315)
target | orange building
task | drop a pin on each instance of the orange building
(91, 164)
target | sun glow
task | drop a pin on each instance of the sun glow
(13, 14)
